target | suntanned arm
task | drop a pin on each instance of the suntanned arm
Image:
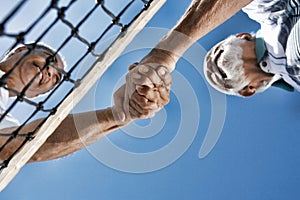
(82, 129)
(75, 132)
(201, 17)
(79, 130)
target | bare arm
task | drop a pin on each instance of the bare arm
(75, 132)
(201, 17)
(82, 129)
(79, 130)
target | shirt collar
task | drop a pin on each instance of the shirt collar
(261, 53)
(3, 95)
(260, 49)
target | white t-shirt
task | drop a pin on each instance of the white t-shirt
(8, 120)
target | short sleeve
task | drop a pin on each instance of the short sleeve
(293, 53)
(265, 11)
(8, 121)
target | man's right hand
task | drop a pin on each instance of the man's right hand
(146, 91)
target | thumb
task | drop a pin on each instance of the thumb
(125, 104)
(132, 66)
(118, 111)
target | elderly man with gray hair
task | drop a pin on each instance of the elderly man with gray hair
(245, 64)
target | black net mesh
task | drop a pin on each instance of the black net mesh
(79, 30)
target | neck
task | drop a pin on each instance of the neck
(249, 51)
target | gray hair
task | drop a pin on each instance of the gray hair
(223, 66)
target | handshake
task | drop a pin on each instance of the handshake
(146, 91)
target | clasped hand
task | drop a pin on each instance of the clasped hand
(146, 91)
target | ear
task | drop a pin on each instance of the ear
(245, 36)
(247, 91)
(32, 95)
(19, 49)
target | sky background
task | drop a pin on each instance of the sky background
(257, 155)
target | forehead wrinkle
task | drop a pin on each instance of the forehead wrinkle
(59, 64)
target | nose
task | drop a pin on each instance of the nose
(50, 71)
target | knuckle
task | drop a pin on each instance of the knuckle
(167, 101)
(162, 71)
(143, 69)
(143, 116)
(147, 113)
(128, 75)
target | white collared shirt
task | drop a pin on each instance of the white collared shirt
(277, 18)
(8, 120)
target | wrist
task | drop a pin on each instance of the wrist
(158, 57)
(110, 117)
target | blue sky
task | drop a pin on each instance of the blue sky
(257, 155)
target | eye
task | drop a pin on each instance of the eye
(36, 65)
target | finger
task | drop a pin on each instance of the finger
(139, 112)
(134, 110)
(149, 73)
(152, 94)
(126, 108)
(139, 79)
(165, 76)
(118, 114)
(143, 102)
(118, 111)
(142, 89)
(164, 94)
(127, 95)
(132, 66)
(160, 97)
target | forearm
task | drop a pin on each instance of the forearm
(201, 17)
(80, 130)
(76, 132)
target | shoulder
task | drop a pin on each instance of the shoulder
(266, 11)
